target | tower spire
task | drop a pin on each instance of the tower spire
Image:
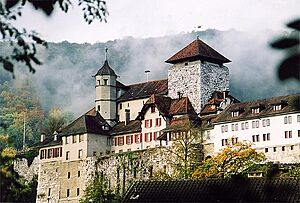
(106, 49)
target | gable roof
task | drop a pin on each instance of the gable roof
(198, 50)
(106, 70)
(144, 90)
(290, 103)
(216, 190)
(86, 124)
(169, 107)
(132, 127)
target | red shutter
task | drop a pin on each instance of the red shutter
(141, 137)
(116, 141)
(145, 123)
(127, 139)
(54, 152)
(135, 136)
(150, 123)
(131, 138)
(159, 121)
(145, 137)
(60, 149)
(150, 137)
(154, 136)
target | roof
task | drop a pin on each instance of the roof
(48, 142)
(211, 107)
(86, 124)
(169, 107)
(290, 103)
(144, 90)
(106, 70)
(198, 50)
(216, 190)
(132, 127)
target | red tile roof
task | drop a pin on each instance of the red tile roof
(144, 90)
(198, 50)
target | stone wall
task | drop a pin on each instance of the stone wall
(22, 168)
(213, 78)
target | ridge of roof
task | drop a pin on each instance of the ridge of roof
(198, 50)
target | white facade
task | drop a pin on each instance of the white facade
(277, 136)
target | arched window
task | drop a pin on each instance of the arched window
(105, 81)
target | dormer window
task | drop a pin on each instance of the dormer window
(152, 109)
(105, 81)
(235, 114)
(255, 110)
(277, 107)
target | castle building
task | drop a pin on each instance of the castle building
(139, 116)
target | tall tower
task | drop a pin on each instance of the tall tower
(106, 92)
(197, 72)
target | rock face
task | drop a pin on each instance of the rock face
(22, 168)
(197, 80)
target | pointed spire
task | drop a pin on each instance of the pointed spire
(106, 69)
(106, 49)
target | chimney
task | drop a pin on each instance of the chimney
(43, 136)
(127, 116)
(225, 94)
(55, 135)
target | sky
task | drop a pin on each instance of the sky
(153, 18)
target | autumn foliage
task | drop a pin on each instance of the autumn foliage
(232, 160)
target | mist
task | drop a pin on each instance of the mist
(65, 78)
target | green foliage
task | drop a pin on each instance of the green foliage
(25, 43)
(13, 187)
(98, 191)
(231, 161)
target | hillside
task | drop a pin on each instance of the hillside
(64, 80)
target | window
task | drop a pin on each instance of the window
(255, 138)
(128, 104)
(283, 148)
(234, 140)
(69, 175)
(67, 155)
(120, 141)
(121, 151)
(235, 113)
(257, 124)
(277, 107)
(79, 153)
(266, 150)
(224, 142)
(67, 140)
(292, 147)
(137, 138)
(298, 133)
(158, 122)
(109, 141)
(155, 135)
(264, 123)
(222, 128)
(94, 153)
(42, 154)
(120, 105)
(243, 126)
(268, 122)
(255, 110)
(74, 138)
(285, 120)
(98, 82)
(152, 109)
(236, 127)
(148, 137)
(274, 149)
(288, 134)
(105, 81)
(49, 192)
(298, 118)
(50, 153)
(78, 191)
(68, 192)
(129, 139)
(246, 125)
(253, 124)
(148, 123)
(232, 127)
(266, 136)
(289, 119)
(78, 174)
(80, 137)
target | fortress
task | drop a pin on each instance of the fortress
(138, 118)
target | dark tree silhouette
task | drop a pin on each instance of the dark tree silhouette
(24, 42)
(290, 66)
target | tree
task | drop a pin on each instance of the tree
(232, 160)
(24, 43)
(185, 151)
(290, 66)
(56, 121)
(98, 190)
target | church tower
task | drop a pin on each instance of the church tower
(197, 72)
(106, 92)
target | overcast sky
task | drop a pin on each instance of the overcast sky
(151, 18)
